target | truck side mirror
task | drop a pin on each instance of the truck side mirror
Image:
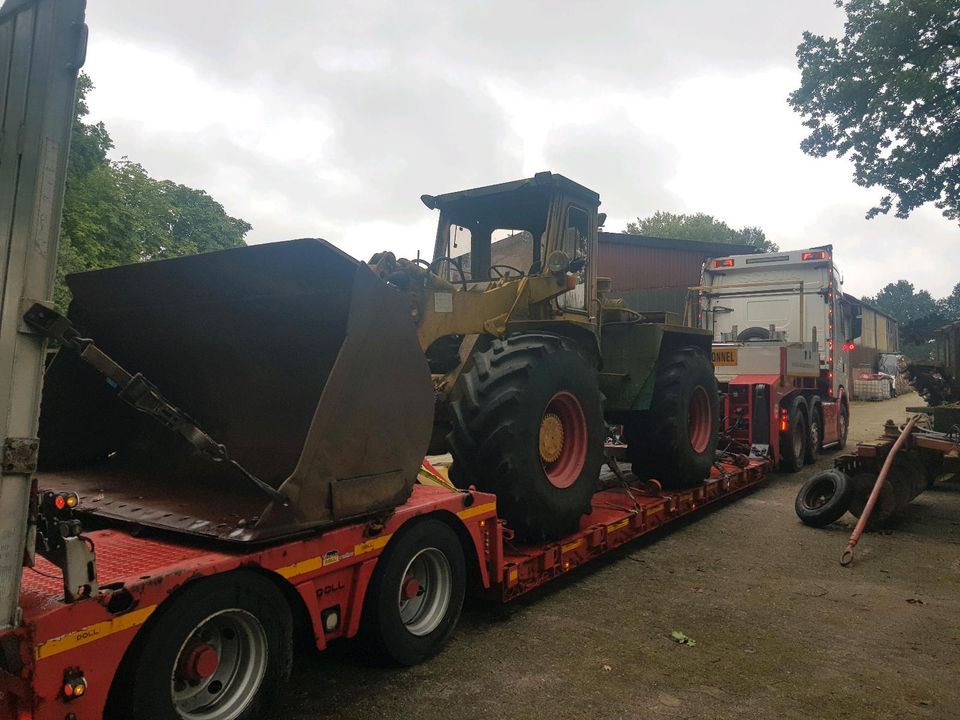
(601, 219)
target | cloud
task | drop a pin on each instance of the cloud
(626, 166)
(330, 119)
(873, 253)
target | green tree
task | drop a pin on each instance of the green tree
(887, 94)
(115, 213)
(950, 305)
(904, 302)
(699, 226)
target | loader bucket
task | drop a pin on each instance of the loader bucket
(293, 355)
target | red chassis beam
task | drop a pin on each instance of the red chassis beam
(329, 570)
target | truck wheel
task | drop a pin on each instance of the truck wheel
(528, 426)
(676, 439)
(416, 594)
(219, 650)
(824, 498)
(814, 433)
(844, 426)
(793, 442)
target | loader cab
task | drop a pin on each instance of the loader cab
(512, 230)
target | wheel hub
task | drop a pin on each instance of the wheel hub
(200, 663)
(551, 438)
(411, 588)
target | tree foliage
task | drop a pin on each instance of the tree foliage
(917, 313)
(115, 213)
(699, 226)
(888, 95)
(904, 302)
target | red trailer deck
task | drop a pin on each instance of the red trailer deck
(324, 579)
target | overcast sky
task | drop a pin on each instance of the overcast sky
(311, 118)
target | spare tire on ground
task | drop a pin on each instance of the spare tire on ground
(824, 498)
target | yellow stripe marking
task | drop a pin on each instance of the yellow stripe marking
(371, 545)
(301, 568)
(97, 631)
(657, 509)
(571, 546)
(477, 510)
(513, 575)
(617, 525)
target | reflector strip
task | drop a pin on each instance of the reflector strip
(477, 510)
(98, 631)
(571, 546)
(613, 527)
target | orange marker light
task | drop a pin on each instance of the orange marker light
(814, 255)
(728, 262)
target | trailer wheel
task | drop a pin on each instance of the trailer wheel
(219, 650)
(793, 442)
(814, 433)
(675, 441)
(844, 421)
(528, 426)
(416, 594)
(824, 498)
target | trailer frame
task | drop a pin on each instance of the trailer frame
(323, 573)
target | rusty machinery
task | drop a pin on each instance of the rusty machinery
(529, 360)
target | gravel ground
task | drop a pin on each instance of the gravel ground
(781, 630)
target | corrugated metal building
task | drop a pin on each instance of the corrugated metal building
(879, 333)
(649, 273)
(653, 273)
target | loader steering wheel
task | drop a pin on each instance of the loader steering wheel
(434, 267)
(496, 269)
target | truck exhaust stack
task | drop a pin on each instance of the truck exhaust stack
(293, 355)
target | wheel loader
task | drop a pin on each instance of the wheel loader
(530, 362)
(293, 367)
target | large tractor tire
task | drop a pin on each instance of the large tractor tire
(528, 426)
(676, 440)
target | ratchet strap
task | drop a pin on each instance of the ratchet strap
(137, 391)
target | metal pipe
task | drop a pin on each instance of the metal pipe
(847, 557)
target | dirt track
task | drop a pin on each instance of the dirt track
(781, 630)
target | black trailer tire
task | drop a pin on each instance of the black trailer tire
(824, 498)
(814, 432)
(416, 594)
(170, 673)
(793, 443)
(675, 441)
(844, 426)
(528, 425)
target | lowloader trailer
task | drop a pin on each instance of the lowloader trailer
(226, 453)
(182, 629)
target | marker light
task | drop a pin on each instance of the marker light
(814, 255)
(784, 421)
(728, 262)
(66, 501)
(74, 686)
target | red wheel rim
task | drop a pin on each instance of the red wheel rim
(563, 440)
(700, 422)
